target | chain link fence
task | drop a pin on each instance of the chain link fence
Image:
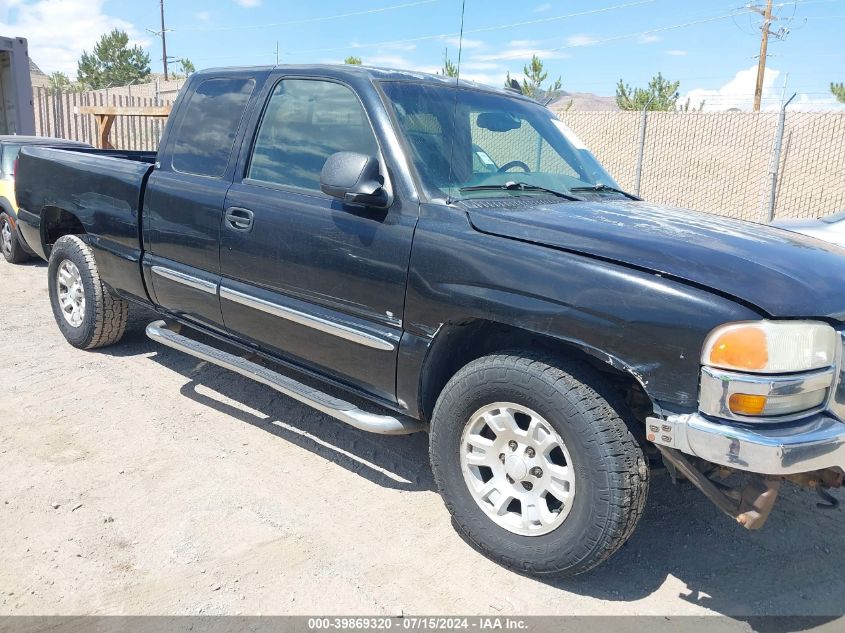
(727, 163)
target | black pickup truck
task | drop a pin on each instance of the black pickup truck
(452, 257)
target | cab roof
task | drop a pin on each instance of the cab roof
(374, 73)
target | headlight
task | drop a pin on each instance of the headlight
(771, 347)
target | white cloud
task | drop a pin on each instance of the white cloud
(249, 4)
(805, 102)
(648, 38)
(399, 46)
(394, 61)
(399, 62)
(520, 54)
(580, 40)
(676, 53)
(738, 93)
(58, 32)
(202, 16)
(479, 66)
(470, 71)
(542, 8)
(491, 79)
(395, 46)
(467, 43)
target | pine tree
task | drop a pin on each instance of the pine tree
(532, 85)
(449, 69)
(112, 62)
(186, 67)
(59, 82)
(661, 94)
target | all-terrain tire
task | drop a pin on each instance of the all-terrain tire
(105, 315)
(611, 472)
(13, 251)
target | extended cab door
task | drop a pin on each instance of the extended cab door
(307, 277)
(183, 204)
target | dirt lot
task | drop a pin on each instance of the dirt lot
(137, 480)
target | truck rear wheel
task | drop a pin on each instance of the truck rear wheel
(86, 312)
(10, 246)
(536, 464)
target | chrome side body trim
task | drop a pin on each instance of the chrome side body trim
(187, 280)
(816, 443)
(170, 336)
(315, 322)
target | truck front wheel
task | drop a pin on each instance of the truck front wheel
(536, 464)
(86, 312)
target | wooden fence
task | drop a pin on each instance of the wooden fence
(59, 114)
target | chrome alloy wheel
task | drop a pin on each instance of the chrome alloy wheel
(517, 469)
(70, 293)
(6, 237)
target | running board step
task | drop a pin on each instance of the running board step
(166, 334)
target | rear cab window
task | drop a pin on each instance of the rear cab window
(10, 155)
(209, 125)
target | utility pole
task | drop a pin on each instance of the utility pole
(277, 52)
(164, 38)
(764, 45)
(765, 32)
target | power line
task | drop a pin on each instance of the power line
(484, 29)
(560, 17)
(325, 18)
(661, 29)
(513, 24)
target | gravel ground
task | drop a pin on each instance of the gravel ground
(136, 480)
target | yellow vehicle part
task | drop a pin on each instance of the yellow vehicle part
(7, 191)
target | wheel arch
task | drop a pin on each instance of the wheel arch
(6, 207)
(457, 344)
(57, 222)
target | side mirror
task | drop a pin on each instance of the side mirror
(355, 179)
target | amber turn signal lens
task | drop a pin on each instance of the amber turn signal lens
(743, 348)
(747, 404)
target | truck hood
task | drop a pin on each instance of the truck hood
(782, 273)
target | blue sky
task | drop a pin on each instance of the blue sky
(709, 45)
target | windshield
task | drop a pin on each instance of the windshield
(497, 140)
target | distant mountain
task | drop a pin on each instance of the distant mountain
(585, 102)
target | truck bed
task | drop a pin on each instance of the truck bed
(140, 156)
(103, 189)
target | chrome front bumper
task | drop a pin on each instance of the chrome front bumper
(815, 443)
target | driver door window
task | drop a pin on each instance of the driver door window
(305, 122)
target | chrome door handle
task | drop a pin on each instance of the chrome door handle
(239, 219)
